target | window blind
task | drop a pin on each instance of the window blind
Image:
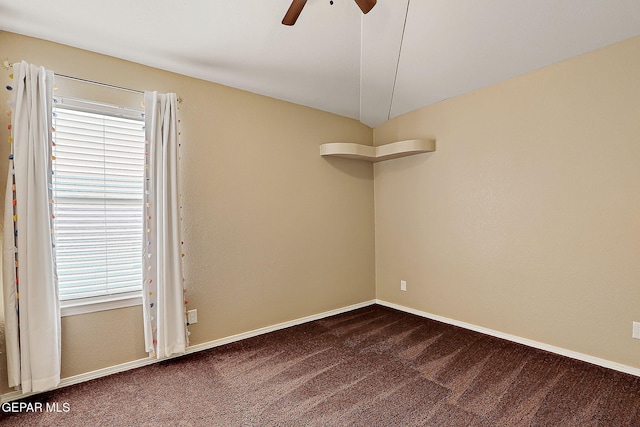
(98, 184)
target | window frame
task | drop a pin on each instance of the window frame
(76, 306)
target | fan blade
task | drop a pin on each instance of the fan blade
(292, 14)
(366, 5)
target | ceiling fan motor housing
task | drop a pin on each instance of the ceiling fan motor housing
(296, 7)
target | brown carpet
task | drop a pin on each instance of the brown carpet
(370, 367)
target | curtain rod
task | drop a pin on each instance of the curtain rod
(99, 83)
(6, 65)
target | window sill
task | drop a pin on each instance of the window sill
(91, 305)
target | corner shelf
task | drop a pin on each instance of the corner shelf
(368, 153)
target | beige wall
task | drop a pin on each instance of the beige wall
(526, 219)
(273, 232)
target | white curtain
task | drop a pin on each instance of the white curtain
(163, 292)
(32, 311)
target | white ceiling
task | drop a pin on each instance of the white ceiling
(335, 58)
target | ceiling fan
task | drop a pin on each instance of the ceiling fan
(292, 14)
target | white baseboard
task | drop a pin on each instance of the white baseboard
(76, 379)
(530, 343)
(283, 325)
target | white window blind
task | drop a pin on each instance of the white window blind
(98, 185)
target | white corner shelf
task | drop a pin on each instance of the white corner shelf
(394, 150)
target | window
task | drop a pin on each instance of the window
(98, 192)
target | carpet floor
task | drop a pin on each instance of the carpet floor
(373, 366)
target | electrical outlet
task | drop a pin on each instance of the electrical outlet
(636, 330)
(403, 285)
(192, 316)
